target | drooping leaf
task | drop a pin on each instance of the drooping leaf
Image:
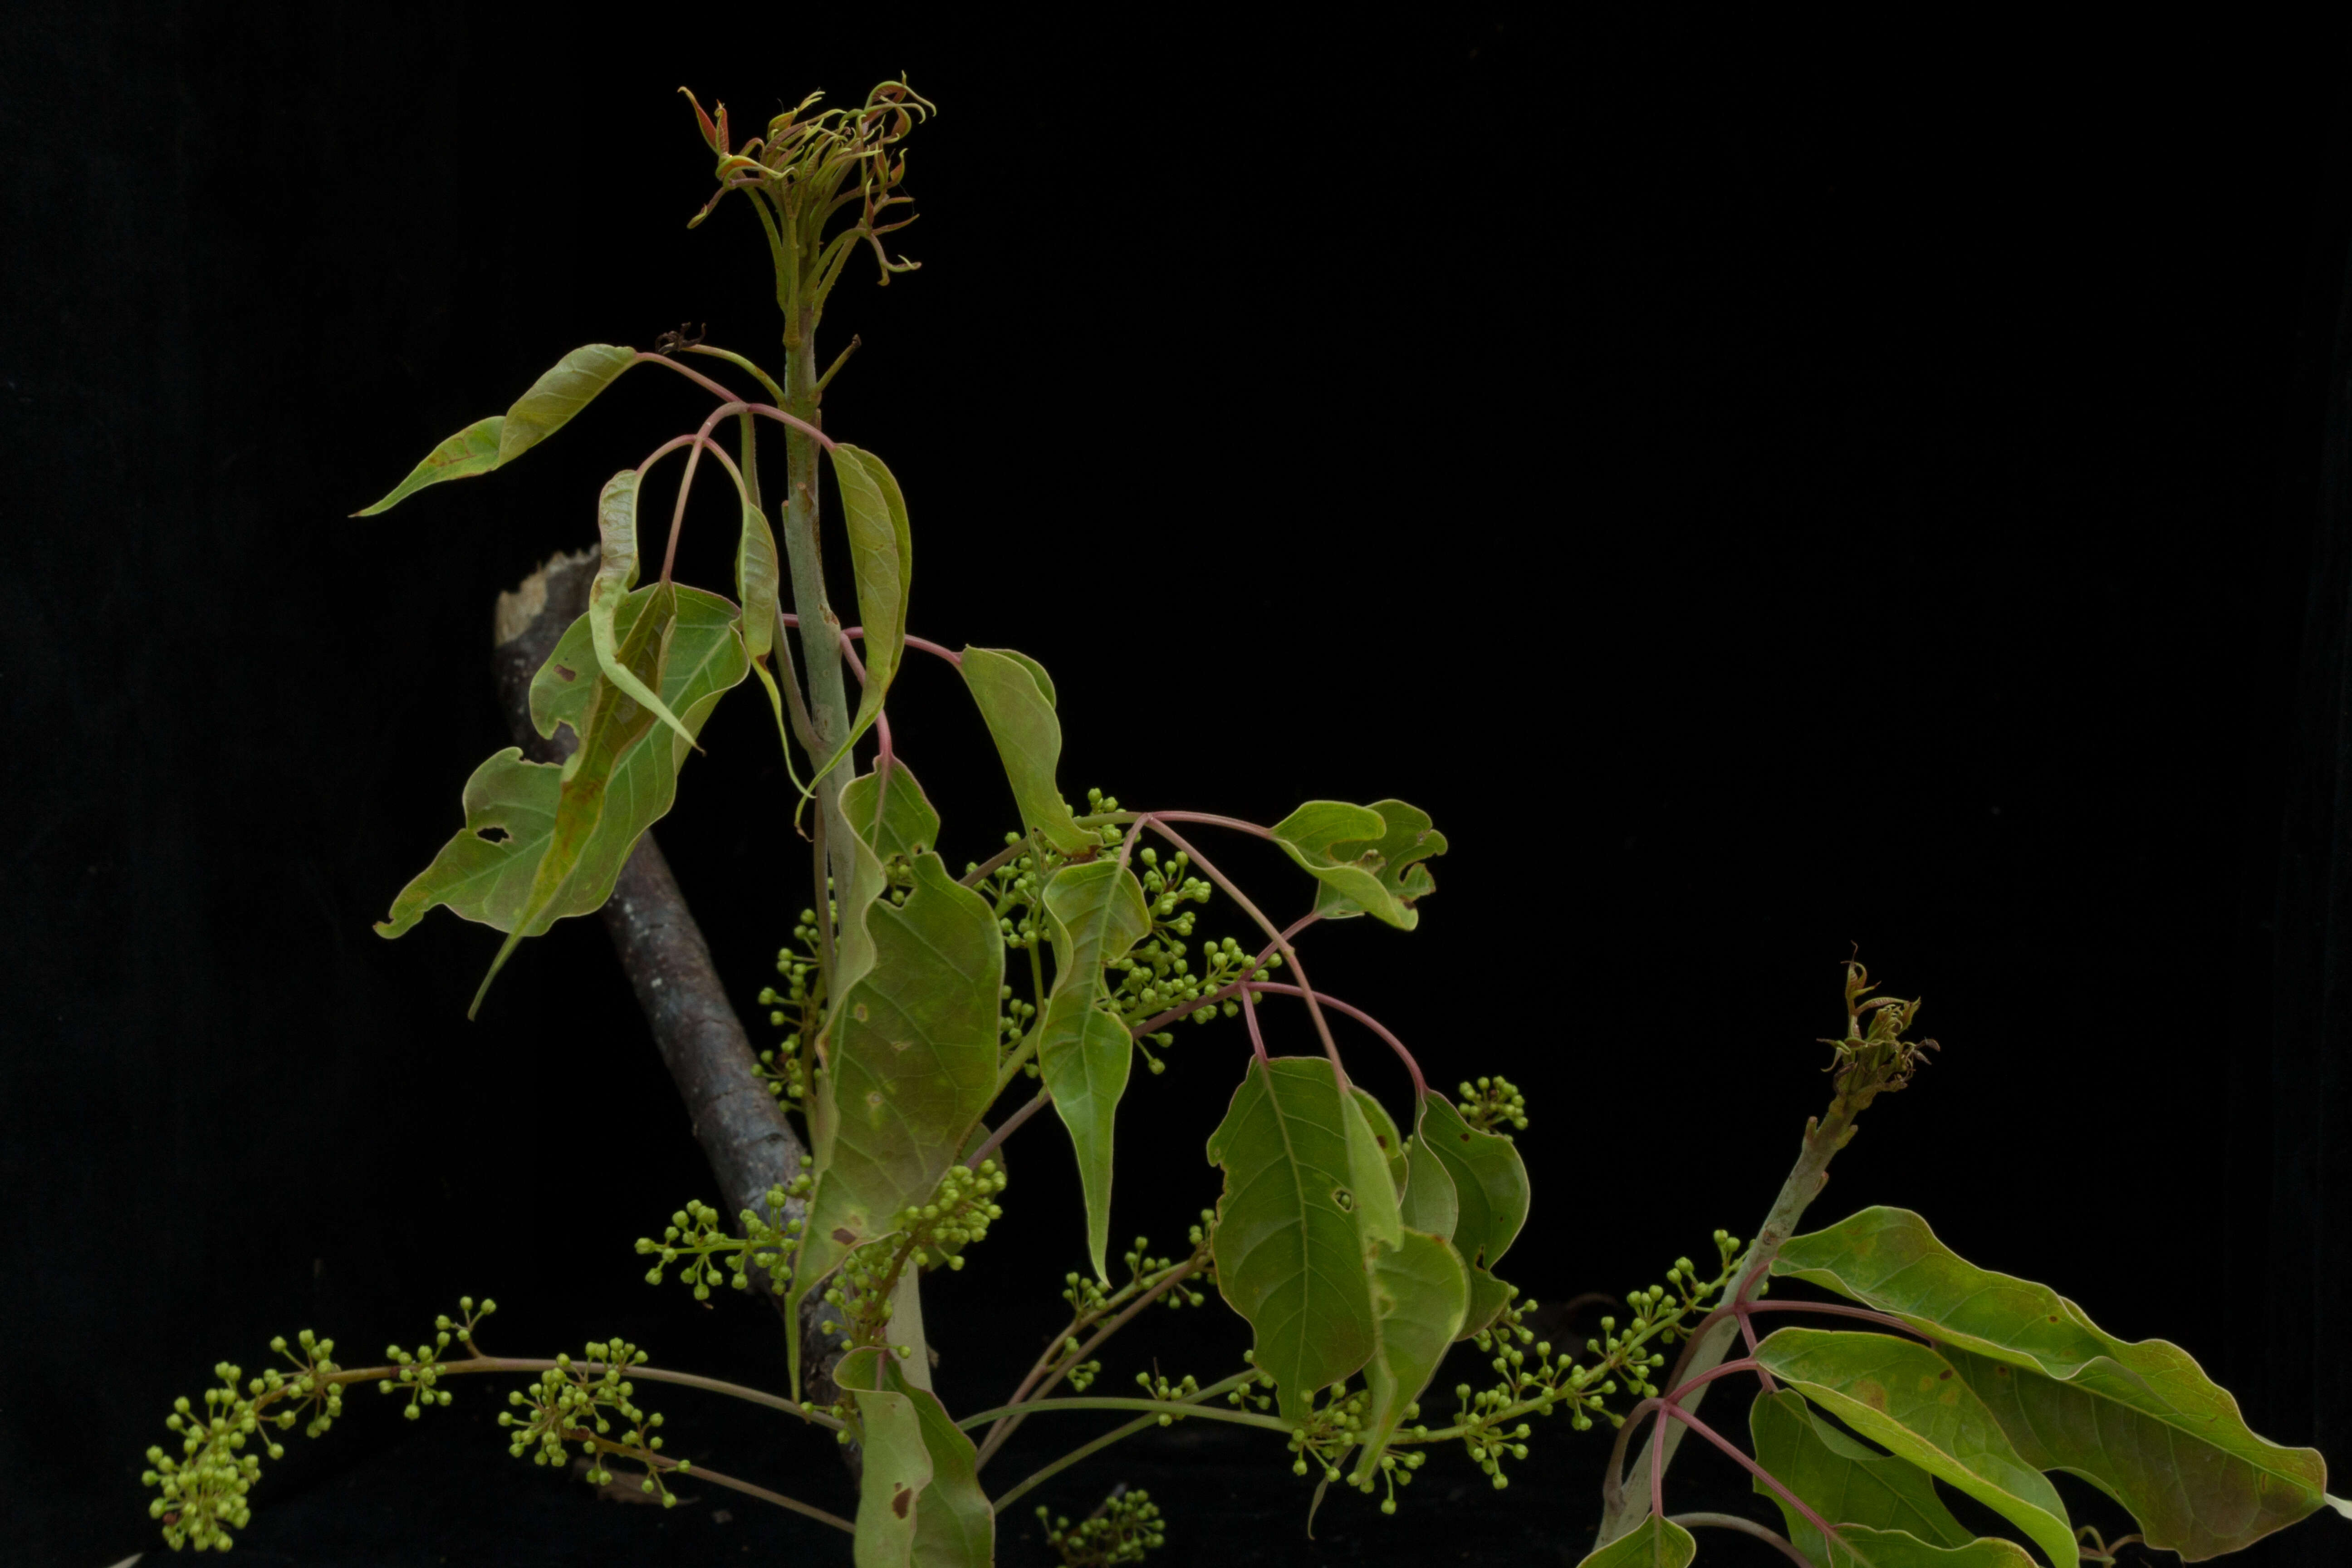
(473, 450)
(1420, 1291)
(616, 574)
(1017, 699)
(568, 387)
(1428, 1202)
(1490, 1189)
(882, 559)
(1371, 1180)
(1654, 1543)
(492, 443)
(2140, 1421)
(911, 1065)
(1095, 913)
(1290, 1257)
(1909, 1401)
(919, 1504)
(759, 580)
(907, 824)
(516, 801)
(1384, 1134)
(1366, 857)
(1842, 1480)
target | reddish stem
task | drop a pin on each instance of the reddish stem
(1011, 1123)
(1420, 1084)
(925, 644)
(1658, 1479)
(1257, 1041)
(727, 394)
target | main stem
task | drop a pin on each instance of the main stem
(819, 628)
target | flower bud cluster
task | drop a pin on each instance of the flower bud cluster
(957, 1214)
(1156, 1387)
(796, 1009)
(1492, 1103)
(1330, 1431)
(696, 1235)
(575, 1402)
(418, 1374)
(202, 1493)
(1120, 1531)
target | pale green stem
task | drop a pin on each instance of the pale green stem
(1022, 1488)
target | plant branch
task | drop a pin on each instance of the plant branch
(1180, 1410)
(1804, 1510)
(1028, 1483)
(1012, 1124)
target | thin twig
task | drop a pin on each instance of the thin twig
(1772, 1538)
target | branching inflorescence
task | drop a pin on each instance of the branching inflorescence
(926, 1017)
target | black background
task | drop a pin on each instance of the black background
(1761, 489)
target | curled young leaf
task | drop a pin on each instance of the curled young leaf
(1369, 859)
(2140, 1421)
(919, 1504)
(1017, 697)
(1909, 1401)
(882, 561)
(616, 574)
(1095, 913)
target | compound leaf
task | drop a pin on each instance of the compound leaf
(910, 1064)
(1290, 1257)
(1094, 912)
(1490, 1189)
(1909, 1401)
(1016, 697)
(1654, 1543)
(1366, 857)
(919, 1499)
(1842, 1480)
(1420, 1291)
(2140, 1421)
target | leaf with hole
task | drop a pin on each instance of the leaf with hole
(919, 1504)
(1290, 1256)
(2140, 1421)
(1017, 698)
(1366, 857)
(492, 443)
(487, 871)
(910, 1066)
(1490, 1190)
(1909, 1401)
(1095, 913)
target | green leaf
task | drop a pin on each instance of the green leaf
(759, 583)
(1428, 1202)
(1868, 1548)
(1420, 1291)
(1017, 699)
(616, 574)
(1652, 1544)
(1909, 1400)
(1094, 912)
(2140, 1421)
(1290, 1257)
(1840, 1480)
(911, 1065)
(517, 801)
(908, 824)
(492, 443)
(882, 561)
(919, 1499)
(1366, 857)
(1385, 1135)
(1371, 1180)
(1490, 1189)
(473, 450)
(563, 392)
